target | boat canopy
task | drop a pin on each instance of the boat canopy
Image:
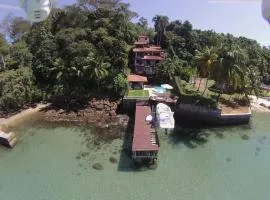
(165, 116)
(167, 86)
(266, 9)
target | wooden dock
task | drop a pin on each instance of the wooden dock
(145, 145)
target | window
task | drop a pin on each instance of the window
(37, 14)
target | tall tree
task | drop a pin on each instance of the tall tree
(19, 56)
(99, 70)
(15, 27)
(167, 70)
(4, 47)
(231, 65)
(160, 23)
(96, 4)
(206, 63)
(143, 23)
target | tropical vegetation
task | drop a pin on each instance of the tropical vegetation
(84, 49)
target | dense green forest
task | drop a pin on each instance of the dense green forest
(84, 50)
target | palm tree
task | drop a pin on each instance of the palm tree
(168, 69)
(98, 70)
(230, 69)
(235, 72)
(161, 22)
(206, 64)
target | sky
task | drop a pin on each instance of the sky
(238, 17)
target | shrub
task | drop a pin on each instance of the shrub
(190, 96)
(17, 88)
(120, 84)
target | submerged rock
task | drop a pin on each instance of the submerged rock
(228, 159)
(113, 160)
(245, 137)
(220, 135)
(97, 166)
(84, 154)
(152, 166)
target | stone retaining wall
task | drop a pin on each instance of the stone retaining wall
(210, 115)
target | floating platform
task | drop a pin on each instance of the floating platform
(8, 139)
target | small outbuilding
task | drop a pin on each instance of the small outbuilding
(136, 81)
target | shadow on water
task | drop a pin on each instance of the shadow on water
(189, 136)
(125, 162)
(193, 134)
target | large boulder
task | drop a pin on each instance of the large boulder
(97, 166)
(113, 113)
(99, 106)
(113, 160)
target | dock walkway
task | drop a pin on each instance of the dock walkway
(145, 144)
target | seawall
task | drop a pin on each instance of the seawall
(208, 115)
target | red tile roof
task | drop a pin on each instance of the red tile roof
(147, 50)
(142, 131)
(155, 47)
(137, 78)
(140, 36)
(138, 42)
(153, 58)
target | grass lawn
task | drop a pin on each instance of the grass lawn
(196, 94)
(138, 93)
(266, 94)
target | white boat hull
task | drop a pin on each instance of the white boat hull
(165, 117)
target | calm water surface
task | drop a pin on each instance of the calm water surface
(55, 163)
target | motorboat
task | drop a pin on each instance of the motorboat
(165, 116)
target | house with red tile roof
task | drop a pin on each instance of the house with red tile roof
(146, 56)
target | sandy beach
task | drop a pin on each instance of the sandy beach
(17, 118)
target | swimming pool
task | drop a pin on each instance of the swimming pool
(160, 90)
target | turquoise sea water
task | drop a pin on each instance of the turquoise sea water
(55, 163)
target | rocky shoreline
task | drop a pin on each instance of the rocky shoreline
(101, 113)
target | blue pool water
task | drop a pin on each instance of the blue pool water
(160, 90)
